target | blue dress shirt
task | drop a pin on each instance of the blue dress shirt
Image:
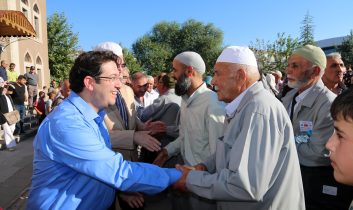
(75, 168)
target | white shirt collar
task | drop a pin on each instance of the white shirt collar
(303, 94)
(232, 106)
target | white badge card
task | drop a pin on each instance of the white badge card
(306, 126)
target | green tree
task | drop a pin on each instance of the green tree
(131, 61)
(156, 49)
(346, 49)
(62, 46)
(307, 31)
(274, 56)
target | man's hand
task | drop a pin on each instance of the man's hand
(161, 158)
(155, 127)
(147, 141)
(181, 183)
(200, 167)
(135, 200)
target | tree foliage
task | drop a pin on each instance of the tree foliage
(62, 45)
(346, 49)
(156, 49)
(274, 56)
(131, 61)
(307, 31)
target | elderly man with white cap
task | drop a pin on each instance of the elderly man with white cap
(201, 120)
(308, 105)
(255, 165)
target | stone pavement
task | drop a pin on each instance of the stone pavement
(16, 172)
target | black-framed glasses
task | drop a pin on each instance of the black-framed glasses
(110, 79)
(122, 65)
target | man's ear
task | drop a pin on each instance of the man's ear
(316, 71)
(88, 83)
(189, 71)
(241, 74)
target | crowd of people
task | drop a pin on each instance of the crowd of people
(19, 93)
(239, 140)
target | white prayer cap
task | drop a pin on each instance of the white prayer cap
(192, 59)
(238, 55)
(112, 46)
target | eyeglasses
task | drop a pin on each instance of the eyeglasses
(122, 65)
(110, 79)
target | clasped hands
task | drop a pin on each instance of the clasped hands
(180, 185)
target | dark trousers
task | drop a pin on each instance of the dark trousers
(316, 180)
(19, 126)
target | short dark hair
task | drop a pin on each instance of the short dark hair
(168, 81)
(21, 77)
(88, 64)
(342, 106)
(32, 68)
(12, 64)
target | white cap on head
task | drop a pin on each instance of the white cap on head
(238, 55)
(192, 59)
(112, 46)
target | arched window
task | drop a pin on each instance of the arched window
(35, 8)
(25, 2)
(38, 61)
(28, 58)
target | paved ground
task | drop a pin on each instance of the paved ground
(15, 175)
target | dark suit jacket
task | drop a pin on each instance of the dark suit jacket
(3, 107)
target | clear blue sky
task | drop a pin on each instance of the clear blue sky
(241, 21)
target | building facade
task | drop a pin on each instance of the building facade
(329, 45)
(28, 51)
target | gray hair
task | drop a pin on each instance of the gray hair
(334, 55)
(150, 78)
(138, 75)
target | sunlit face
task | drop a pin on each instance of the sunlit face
(341, 146)
(126, 77)
(150, 84)
(22, 81)
(12, 67)
(298, 71)
(183, 83)
(228, 85)
(121, 64)
(107, 85)
(4, 64)
(139, 86)
(334, 70)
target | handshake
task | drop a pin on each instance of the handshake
(180, 185)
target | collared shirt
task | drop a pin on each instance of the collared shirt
(232, 106)
(75, 168)
(32, 79)
(149, 97)
(12, 76)
(201, 124)
(299, 99)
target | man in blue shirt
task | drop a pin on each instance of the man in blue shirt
(74, 166)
